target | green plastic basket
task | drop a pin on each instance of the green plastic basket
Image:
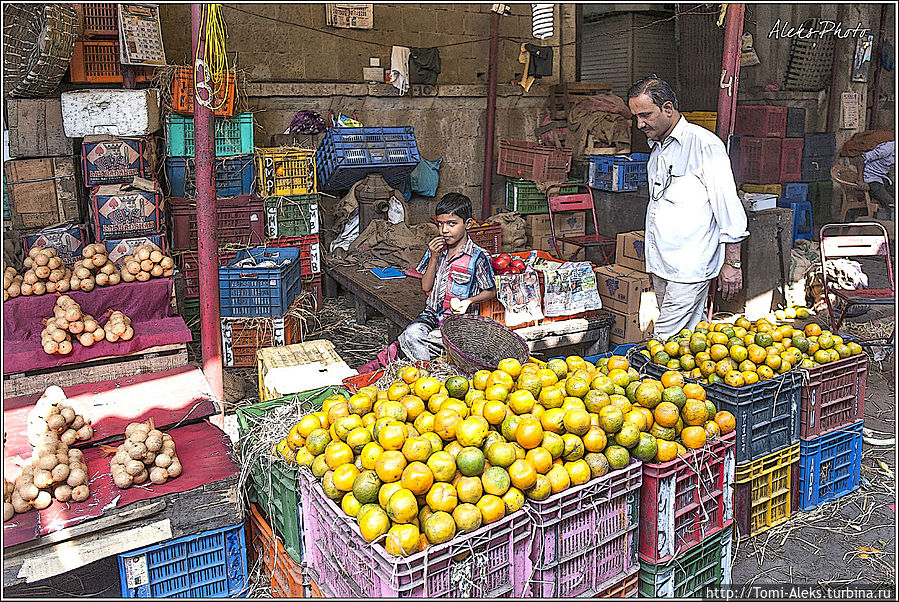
(233, 135)
(699, 570)
(522, 196)
(273, 484)
(291, 215)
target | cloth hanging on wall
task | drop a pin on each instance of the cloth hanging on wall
(541, 64)
(524, 57)
(424, 66)
(399, 68)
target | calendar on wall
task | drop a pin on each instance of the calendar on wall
(140, 35)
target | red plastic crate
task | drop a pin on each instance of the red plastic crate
(487, 236)
(310, 251)
(760, 160)
(531, 161)
(585, 537)
(313, 284)
(791, 159)
(833, 396)
(248, 335)
(183, 93)
(285, 576)
(98, 20)
(189, 264)
(240, 220)
(686, 500)
(493, 309)
(761, 121)
(626, 588)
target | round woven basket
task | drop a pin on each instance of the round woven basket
(38, 41)
(476, 343)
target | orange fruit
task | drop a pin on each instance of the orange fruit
(413, 405)
(373, 524)
(337, 454)
(694, 391)
(812, 329)
(424, 423)
(611, 419)
(370, 454)
(712, 429)
(402, 506)
(416, 449)
(426, 387)
(576, 421)
(529, 433)
(510, 366)
(344, 476)
(402, 540)
(559, 479)
(392, 409)
(695, 413)
(397, 390)
(445, 423)
(666, 414)
(672, 378)
(409, 374)
(667, 451)
(390, 465)
(469, 490)
(442, 497)
(467, 517)
(520, 401)
(492, 508)
(541, 459)
(578, 472)
(495, 412)
(523, 474)
(472, 431)
(726, 421)
(470, 461)
(693, 437)
(392, 436)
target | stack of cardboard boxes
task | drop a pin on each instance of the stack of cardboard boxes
(626, 291)
(540, 236)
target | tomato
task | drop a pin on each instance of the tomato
(517, 265)
(500, 263)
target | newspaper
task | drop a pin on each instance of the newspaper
(520, 295)
(569, 288)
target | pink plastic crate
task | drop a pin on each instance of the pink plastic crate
(490, 562)
(761, 121)
(791, 159)
(686, 500)
(585, 538)
(833, 396)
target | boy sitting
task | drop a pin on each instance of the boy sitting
(459, 275)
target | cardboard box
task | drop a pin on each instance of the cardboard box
(119, 249)
(68, 240)
(629, 252)
(35, 128)
(119, 212)
(106, 160)
(569, 223)
(628, 291)
(42, 192)
(626, 328)
(545, 243)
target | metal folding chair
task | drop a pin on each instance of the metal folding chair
(580, 201)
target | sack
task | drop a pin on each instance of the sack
(426, 177)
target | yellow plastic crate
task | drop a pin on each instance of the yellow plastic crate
(706, 119)
(290, 369)
(766, 491)
(285, 171)
(764, 188)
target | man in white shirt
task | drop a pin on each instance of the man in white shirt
(695, 221)
(874, 169)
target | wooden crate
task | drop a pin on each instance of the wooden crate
(42, 192)
(35, 128)
(153, 359)
(562, 96)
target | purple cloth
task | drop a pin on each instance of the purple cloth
(146, 303)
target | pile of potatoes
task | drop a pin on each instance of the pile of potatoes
(53, 413)
(118, 327)
(44, 273)
(146, 454)
(8, 510)
(94, 269)
(54, 471)
(12, 282)
(68, 320)
(147, 262)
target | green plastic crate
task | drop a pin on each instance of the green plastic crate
(273, 484)
(192, 315)
(291, 215)
(820, 194)
(522, 196)
(707, 565)
(233, 135)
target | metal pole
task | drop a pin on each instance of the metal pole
(834, 69)
(730, 71)
(210, 323)
(487, 183)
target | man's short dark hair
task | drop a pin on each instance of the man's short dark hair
(454, 203)
(655, 88)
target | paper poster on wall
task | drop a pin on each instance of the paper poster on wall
(140, 35)
(849, 111)
(350, 16)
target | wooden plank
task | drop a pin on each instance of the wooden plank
(61, 558)
(153, 359)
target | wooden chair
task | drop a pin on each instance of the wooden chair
(580, 201)
(852, 196)
(848, 241)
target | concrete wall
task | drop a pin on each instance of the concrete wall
(293, 61)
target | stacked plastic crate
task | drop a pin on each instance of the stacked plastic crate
(95, 58)
(288, 184)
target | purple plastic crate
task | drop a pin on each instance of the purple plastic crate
(585, 538)
(490, 562)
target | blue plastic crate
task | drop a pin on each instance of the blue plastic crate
(250, 292)
(797, 191)
(617, 173)
(830, 466)
(209, 565)
(233, 176)
(233, 135)
(346, 155)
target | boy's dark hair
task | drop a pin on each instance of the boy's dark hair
(655, 88)
(454, 203)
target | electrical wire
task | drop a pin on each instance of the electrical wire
(212, 58)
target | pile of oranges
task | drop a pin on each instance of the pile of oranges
(423, 460)
(744, 353)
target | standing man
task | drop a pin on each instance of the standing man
(695, 221)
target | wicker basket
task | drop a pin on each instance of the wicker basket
(476, 343)
(38, 41)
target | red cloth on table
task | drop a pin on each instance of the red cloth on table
(146, 303)
(169, 397)
(204, 451)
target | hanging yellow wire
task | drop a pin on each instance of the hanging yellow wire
(211, 62)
